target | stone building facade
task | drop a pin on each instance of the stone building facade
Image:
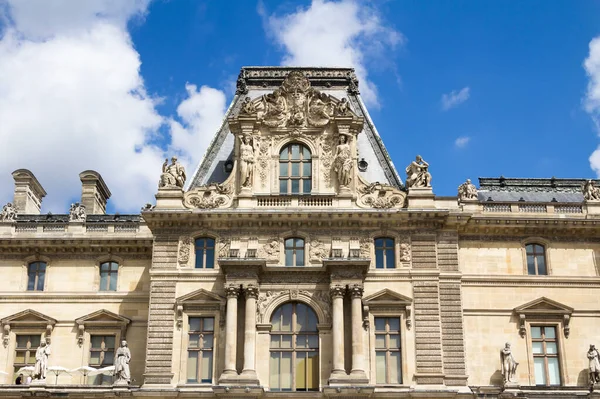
(295, 261)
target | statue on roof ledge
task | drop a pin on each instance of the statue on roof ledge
(590, 191)
(467, 191)
(417, 174)
(9, 213)
(173, 175)
(77, 213)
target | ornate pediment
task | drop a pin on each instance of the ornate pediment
(201, 300)
(544, 308)
(387, 297)
(101, 319)
(296, 104)
(210, 196)
(379, 196)
(26, 318)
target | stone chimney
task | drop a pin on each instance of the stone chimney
(94, 193)
(28, 193)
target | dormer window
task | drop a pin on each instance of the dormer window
(295, 170)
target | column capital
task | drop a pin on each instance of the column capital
(356, 290)
(337, 290)
(232, 290)
(251, 291)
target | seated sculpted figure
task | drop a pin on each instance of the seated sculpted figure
(173, 175)
(417, 174)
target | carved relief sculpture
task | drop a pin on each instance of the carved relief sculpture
(224, 245)
(185, 246)
(173, 175)
(342, 162)
(404, 252)
(41, 361)
(381, 196)
(270, 251)
(77, 213)
(318, 251)
(594, 365)
(122, 358)
(467, 191)
(508, 363)
(209, 197)
(9, 213)
(590, 191)
(417, 174)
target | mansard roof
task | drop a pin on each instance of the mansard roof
(502, 189)
(340, 83)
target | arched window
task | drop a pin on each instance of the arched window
(536, 259)
(294, 251)
(36, 275)
(108, 276)
(295, 169)
(205, 253)
(294, 364)
(384, 253)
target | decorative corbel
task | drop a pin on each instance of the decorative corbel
(80, 334)
(522, 329)
(366, 317)
(49, 332)
(566, 327)
(6, 334)
(408, 317)
(179, 316)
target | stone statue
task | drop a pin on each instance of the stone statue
(590, 191)
(247, 159)
(417, 174)
(41, 361)
(342, 108)
(342, 162)
(9, 213)
(594, 357)
(467, 191)
(77, 212)
(173, 175)
(122, 358)
(509, 365)
(248, 107)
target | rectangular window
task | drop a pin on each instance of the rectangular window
(205, 253)
(544, 346)
(200, 349)
(25, 351)
(36, 274)
(108, 276)
(388, 362)
(102, 350)
(384, 253)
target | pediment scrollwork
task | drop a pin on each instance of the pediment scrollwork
(380, 196)
(209, 197)
(296, 104)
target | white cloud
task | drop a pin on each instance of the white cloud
(335, 33)
(461, 142)
(72, 98)
(455, 98)
(591, 101)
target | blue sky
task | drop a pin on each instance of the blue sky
(478, 88)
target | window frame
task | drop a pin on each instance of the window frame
(294, 250)
(31, 350)
(547, 249)
(91, 348)
(384, 251)
(387, 349)
(536, 256)
(110, 273)
(289, 161)
(294, 349)
(204, 250)
(200, 349)
(545, 355)
(36, 278)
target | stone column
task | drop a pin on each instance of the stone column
(358, 353)
(232, 291)
(249, 371)
(337, 298)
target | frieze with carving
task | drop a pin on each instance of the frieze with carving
(318, 251)
(380, 196)
(185, 248)
(224, 246)
(209, 197)
(270, 250)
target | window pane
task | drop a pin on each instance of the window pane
(194, 323)
(283, 169)
(286, 341)
(295, 186)
(389, 259)
(301, 371)
(395, 369)
(537, 347)
(286, 371)
(289, 257)
(207, 342)
(394, 324)
(295, 152)
(199, 259)
(379, 324)
(312, 320)
(551, 348)
(210, 258)
(299, 242)
(299, 257)
(41, 278)
(276, 320)
(192, 366)
(113, 282)
(109, 342)
(194, 341)
(529, 249)
(114, 266)
(553, 372)
(380, 367)
(20, 357)
(296, 169)
(95, 358)
(536, 332)
(109, 357)
(306, 186)
(539, 249)
(96, 341)
(394, 341)
(283, 187)
(305, 153)
(301, 341)
(313, 341)
(274, 371)
(541, 262)
(378, 258)
(550, 332)
(300, 317)
(31, 282)
(379, 243)
(206, 374)
(22, 341)
(540, 373)
(103, 281)
(275, 341)
(35, 341)
(312, 371)
(209, 324)
(283, 155)
(530, 265)
(380, 341)
(286, 320)
(306, 169)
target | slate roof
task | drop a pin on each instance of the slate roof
(338, 82)
(503, 189)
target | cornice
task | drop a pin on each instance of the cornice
(79, 297)
(530, 281)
